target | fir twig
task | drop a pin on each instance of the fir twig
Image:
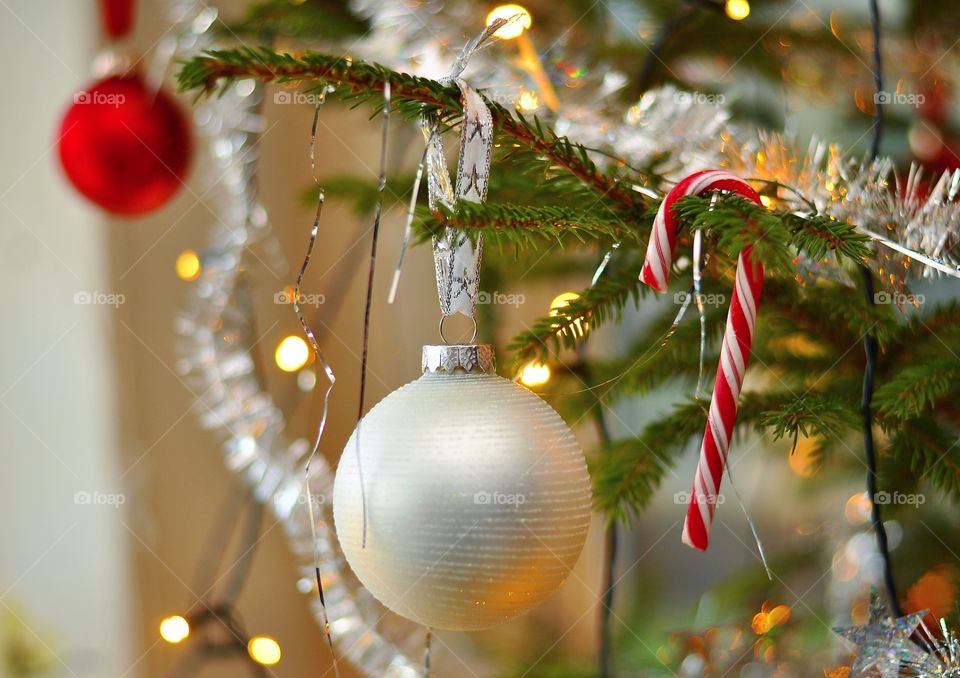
(527, 225)
(412, 96)
(572, 323)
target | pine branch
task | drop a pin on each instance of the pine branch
(929, 451)
(412, 95)
(917, 388)
(572, 323)
(654, 358)
(828, 312)
(775, 236)
(526, 226)
(626, 474)
(810, 415)
(556, 194)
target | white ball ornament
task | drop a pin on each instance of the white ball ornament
(477, 496)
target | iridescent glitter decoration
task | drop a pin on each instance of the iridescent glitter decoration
(883, 644)
(939, 657)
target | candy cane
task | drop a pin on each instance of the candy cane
(734, 354)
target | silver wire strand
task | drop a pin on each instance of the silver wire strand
(328, 371)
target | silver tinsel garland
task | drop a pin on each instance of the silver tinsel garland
(216, 337)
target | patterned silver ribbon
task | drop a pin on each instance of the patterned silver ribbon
(456, 257)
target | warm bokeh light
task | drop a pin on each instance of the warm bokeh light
(844, 566)
(529, 101)
(769, 617)
(306, 380)
(264, 650)
(534, 374)
(737, 9)
(935, 591)
(516, 27)
(188, 265)
(174, 629)
(292, 353)
(858, 508)
(805, 458)
(562, 300)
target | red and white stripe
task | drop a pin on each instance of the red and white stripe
(734, 353)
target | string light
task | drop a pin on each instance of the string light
(188, 265)
(534, 374)
(292, 353)
(737, 10)
(174, 629)
(562, 300)
(805, 457)
(516, 27)
(529, 101)
(264, 650)
(529, 59)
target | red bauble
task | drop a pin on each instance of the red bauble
(125, 147)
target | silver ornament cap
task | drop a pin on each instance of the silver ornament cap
(476, 358)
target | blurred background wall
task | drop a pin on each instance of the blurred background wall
(67, 589)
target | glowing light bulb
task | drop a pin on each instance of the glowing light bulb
(737, 9)
(529, 101)
(292, 353)
(188, 265)
(562, 300)
(534, 374)
(516, 27)
(174, 629)
(264, 650)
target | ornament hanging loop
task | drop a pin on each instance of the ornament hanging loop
(473, 336)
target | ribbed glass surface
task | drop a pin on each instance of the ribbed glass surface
(477, 499)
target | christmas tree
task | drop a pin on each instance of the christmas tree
(850, 370)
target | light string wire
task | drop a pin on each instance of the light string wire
(221, 607)
(870, 345)
(328, 371)
(377, 214)
(608, 587)
(427, 652)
